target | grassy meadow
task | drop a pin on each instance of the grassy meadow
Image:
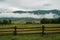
(37, 36)
(23, 24)
(31, 37)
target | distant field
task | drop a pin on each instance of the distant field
(29, 25)
(24, 25)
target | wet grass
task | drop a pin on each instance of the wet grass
(31, 37)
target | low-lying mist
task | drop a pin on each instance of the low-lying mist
(30, 15)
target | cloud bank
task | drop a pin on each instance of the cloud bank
(30, 15)
(27, 5)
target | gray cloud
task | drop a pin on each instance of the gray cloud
(2, 0)
(47, 5)
(33, 4)
(29, 5)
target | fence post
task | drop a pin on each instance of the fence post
(43, 29)
(15, 30)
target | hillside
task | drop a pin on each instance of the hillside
(39, 11)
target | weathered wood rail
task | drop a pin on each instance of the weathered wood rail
(16, 30)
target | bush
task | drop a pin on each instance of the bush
(50, 21)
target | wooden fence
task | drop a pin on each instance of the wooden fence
(16, 30)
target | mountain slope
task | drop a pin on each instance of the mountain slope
(39, 11)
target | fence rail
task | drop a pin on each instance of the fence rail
(16, 30)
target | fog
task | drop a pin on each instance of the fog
(32, 15)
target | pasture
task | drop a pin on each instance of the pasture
(31, 37)
(29, 31)
(22, 24)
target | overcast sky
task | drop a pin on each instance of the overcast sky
(30, 4)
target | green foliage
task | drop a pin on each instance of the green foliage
(50, 21)
(0, 22)
(10, 21)
(5, 22)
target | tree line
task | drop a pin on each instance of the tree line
(50, 21)
(42, 21)
(5, 21)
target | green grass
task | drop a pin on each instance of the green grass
(29, 25)
(31, 37)
(23, 24)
